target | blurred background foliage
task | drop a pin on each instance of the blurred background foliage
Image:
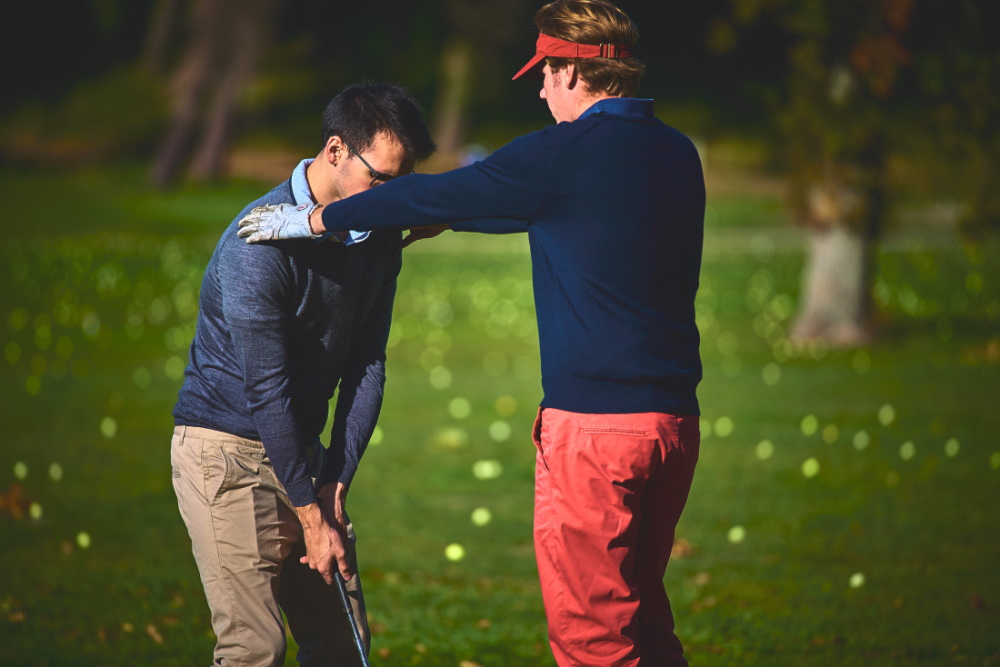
(844, 511)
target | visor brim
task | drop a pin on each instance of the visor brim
(532, 67)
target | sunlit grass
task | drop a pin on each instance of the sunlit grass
(842, 512)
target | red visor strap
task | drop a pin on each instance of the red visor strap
(560, 48)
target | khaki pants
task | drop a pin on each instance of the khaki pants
(247, 541)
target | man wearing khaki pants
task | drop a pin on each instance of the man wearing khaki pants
(262, 499)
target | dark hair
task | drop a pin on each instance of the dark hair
(594, 22)
(362, 111)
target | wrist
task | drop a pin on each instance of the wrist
(316, 220)
(309, 515)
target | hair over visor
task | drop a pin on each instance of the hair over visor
(547, 46)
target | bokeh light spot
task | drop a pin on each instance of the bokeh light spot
(861, 440)
(459, 407)
(174, 368)
(736, 534)
(951, 447)
(771, 374)
(724, 426)
(809, 425)
(109, 427)
(20, 470)
(995, 460)
(765, 450)
(83, 540)
(886, 414)
(440, 377)
(481, 516)
(500, 430)
(857, 580)
(35, 511)
(810, 467)
(452, 438)
(142, 378)
(487, 469)
(830, 433)
(907, 450)
(377, 436)
(506, 406)
(454, 552)
(861, 362)
(55, 472)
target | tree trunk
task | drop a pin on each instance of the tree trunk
(836, 303)
(452, 102)
(161, 25)
(226, 38)
(246, 42)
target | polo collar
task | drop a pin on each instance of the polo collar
(621, 106)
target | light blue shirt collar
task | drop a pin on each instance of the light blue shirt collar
(621, 106)
(303, 193)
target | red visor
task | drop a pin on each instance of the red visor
(560, 48)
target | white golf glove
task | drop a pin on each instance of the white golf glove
(275, 222)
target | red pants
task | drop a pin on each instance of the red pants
(609, 490)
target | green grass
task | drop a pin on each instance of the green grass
(96, 312)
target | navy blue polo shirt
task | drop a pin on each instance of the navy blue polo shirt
(613, 204)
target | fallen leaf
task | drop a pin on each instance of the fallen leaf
(154, 633)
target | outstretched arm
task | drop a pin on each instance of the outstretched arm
(499, 194)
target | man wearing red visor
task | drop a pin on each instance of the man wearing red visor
(613, 203)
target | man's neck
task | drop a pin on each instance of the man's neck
(317, 179)
(587, 102)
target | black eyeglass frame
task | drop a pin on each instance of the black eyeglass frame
(377, 176)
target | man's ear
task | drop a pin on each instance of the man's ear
(333, 150)
(570, 76)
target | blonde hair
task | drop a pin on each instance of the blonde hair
(594, 22)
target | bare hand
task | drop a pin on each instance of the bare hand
(325, 543)
(418, 233)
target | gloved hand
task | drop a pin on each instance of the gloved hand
(275, 222)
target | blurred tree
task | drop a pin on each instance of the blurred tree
(847, 106)
(476, 30)
(223, 47)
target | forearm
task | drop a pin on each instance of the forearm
(505, 186)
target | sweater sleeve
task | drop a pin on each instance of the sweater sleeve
(256, 314)
(496, 195)
(359, 398)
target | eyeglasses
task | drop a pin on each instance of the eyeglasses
(377, 176)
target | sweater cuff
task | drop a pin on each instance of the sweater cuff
(301, 492)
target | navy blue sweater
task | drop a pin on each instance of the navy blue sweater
(280, 325)
(614, 206)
